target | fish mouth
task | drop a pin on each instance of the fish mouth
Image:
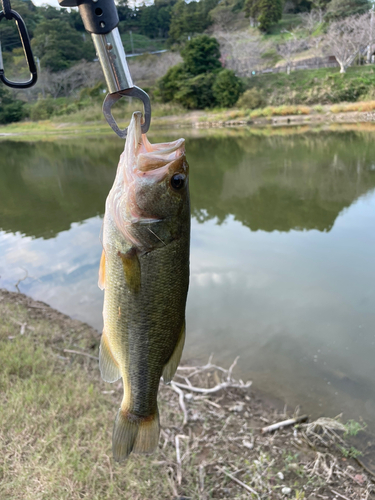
(152, 160)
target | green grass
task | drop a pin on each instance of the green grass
(57, 415)
(288, 22)
(141, 43)
(321, 86)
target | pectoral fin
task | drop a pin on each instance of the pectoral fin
(101, 281)
(109, 368)
(132, 269)
(170, 368)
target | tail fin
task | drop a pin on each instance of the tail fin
(134, 434)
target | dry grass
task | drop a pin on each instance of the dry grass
(57, 415)
(280, 111)
(353, 106)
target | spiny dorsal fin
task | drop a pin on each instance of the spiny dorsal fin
(170, 368)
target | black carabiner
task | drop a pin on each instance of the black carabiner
(12, 14)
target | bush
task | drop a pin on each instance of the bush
(251, 99)
(11, 110)
(227, 88)
(197, 92)
(42, 109)
(201, 54)
(171, 82)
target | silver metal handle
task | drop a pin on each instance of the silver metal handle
(112, 57)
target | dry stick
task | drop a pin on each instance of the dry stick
(178, 457)
(284, 423)
(218, 387)
(239, 482)
(339, 495)
(181, 401)
(81, 353)
(201, 478)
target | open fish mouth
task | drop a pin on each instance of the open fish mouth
(147, 157)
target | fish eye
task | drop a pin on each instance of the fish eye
(178, 181)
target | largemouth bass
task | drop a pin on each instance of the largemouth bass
(144, 271)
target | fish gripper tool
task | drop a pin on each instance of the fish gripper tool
(100, 19)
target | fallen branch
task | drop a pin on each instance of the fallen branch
(71, 351)
(210, 390)
(178, 457)
(284, 423)
(181, 401)
(239, 482)
(339, 495)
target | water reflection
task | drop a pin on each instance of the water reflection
(266, 183)
(282, 252)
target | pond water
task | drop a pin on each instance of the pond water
(282, 253)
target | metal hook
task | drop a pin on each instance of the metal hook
(110, 100)
(12, 14)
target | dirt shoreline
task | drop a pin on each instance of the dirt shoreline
(218, 452)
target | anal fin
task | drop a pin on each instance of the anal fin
(109, 368)
(170, 368)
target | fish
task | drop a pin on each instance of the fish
(144, 272)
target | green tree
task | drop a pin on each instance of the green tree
(343, 8)
(58, 45)
(11, 109)
(188, 19)
(201, 55)
(265, 12)
(171, 82)
(197, 92)
(227, 88)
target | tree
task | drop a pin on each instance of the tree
(188, 19)
(338, 9)
(197, 92)
(289, 48)
(348, 37)
(265, 12)
(227, 88)
(170, 83)
(58, 45)
(11, 109)
(201, 55)
(242, 51)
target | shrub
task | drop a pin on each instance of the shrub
(227, 88)
(42, 109)
(197, 92)
(171, 82)
(11, 110)
(201, 54)
(251, 99)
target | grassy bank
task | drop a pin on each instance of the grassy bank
(320, 86)
(91, 122)
(57, 417)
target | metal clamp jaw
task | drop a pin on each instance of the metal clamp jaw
(100, 18)
(112, 57)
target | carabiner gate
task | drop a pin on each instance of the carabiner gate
(27, 50)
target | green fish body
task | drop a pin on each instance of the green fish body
(145, 274)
